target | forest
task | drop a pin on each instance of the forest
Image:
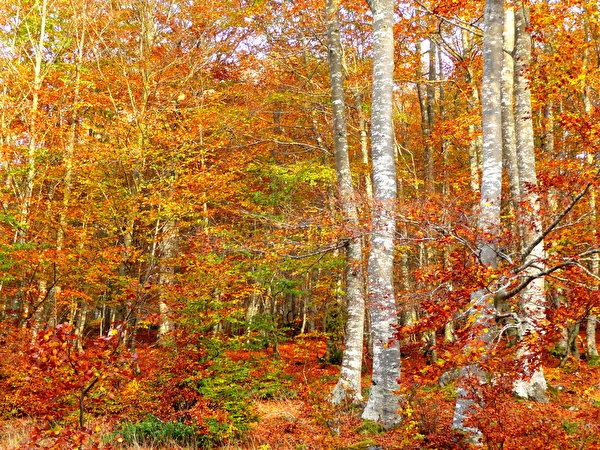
(299, 224)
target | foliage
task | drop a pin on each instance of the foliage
(172, 247)
(154, 432)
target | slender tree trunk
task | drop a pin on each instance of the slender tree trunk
(590, 329)
(38, 78)
(591, 350)
(364, 143)
(509, 143)
(482, 310)
(383, 403)
(532, 384)
(426, 96)
(428, 186)
(474, 148)
(349, 384)
(38, 47)
(166, 279)
(68, 177)
(80, 325)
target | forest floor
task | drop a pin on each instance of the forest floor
(303, 418)
(571, 418)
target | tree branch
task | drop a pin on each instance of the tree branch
(551, 227)
(456, 22)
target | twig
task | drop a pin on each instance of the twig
(456, 22)
(82, 397)
(552, 226)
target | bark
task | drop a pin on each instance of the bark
(509, 144)
(591, 350)
(491, 182)
(482, 309)
(38, 78)
(80, 325)
(349, 384)
(364, 144)
(383, 403)
(426, 95)
(166, 279)
(472, 104)
(590, 329)
(548, 130)
(68, 176)
(531, 384)
(428, 157)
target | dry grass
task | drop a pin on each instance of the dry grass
(13, 434)
(290, 409)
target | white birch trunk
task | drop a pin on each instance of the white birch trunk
(383, 403)
(509, 144)
(531, 384)
(591, 350)
(482, 309)
(349, 383)
(364, 144)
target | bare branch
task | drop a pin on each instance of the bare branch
(456, 22)
(278, 142)
(505, 295)
(551, 227)
(321, 251)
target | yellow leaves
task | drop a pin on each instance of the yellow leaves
(592, 393)
(553, 373)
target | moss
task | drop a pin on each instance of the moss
(369, 428)
(363, 445)
(594, 361)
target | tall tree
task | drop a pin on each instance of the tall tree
(509, 145)
(482, 308)
(383, 403)
(532, 384)
(349, 384)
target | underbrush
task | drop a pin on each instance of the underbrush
(209, 393)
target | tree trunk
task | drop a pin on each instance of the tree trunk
(590, 329)
(166, 279)
(532, 384)
(591, 349)
(428, 185)
(383, 403)
(472, 104)
(509, 144)
(38, 78)
(349, 384)
(482, 309)
(364, 144)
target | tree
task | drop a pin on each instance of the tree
(482, 309)
(349, 384)
(531, 384)
(383, 402)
